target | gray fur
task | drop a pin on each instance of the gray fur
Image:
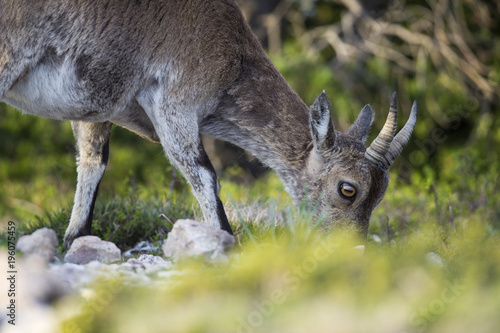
(169, 71)
(361, 127)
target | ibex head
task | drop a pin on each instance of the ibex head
(344, 180)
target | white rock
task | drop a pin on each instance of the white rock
(93, 265)
(190, 238)
(128, 267)
(34, 292)
(143, 246)
(435, 259)
(71, 276)
(377, 238)
(37, 318)
(42, 242)
(88, 248)
(148, 263)
(360, 249)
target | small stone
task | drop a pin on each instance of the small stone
(42, 242)
(143, 246)
(360, 249)
(150, 260)
(190, 238)
(434, 259)
(377, 239)
(35, 291)
(88, 248)
(149, 263)
(71, 276)
(127, 267)
(93, 265)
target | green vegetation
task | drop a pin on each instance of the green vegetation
(432, 264)
(442, 202)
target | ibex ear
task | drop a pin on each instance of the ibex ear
(361, 127)
(321, 126)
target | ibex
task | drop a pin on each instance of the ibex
(170, 70)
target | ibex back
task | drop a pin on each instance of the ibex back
(171, 70)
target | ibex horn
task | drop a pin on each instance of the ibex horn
(402, 137)
(380, 146)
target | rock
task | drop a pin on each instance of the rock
(143, 246)
(360, 249)
(435, 259)
(88, 248)
(149, 263)
(39, 285)
(35, 291)
(377, 238)
(190, 238)
(71, 276)
(42, 242)
(38, 318)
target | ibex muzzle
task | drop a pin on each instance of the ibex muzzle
(169, 71)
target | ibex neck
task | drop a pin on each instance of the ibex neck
(262, 114)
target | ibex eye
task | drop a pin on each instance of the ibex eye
(347, 191)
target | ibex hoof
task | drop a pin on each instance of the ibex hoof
(69, 238)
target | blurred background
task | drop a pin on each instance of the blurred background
(443, 53)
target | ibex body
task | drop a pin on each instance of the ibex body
(169, 71)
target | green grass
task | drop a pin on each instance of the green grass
(286, 277)
(295, 283)
(281, 279)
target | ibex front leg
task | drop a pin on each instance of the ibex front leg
(178, 130)
(92, 142)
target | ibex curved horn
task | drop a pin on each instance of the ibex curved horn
(380, 146)
(402, 137)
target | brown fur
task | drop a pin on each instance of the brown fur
(169, 71)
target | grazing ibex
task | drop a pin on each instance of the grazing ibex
(170, 70)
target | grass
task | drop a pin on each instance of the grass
(296, 283)
(431, 264)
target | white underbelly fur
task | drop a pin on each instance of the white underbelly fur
(53, 92)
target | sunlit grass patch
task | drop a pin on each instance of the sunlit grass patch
(302, 282)
(431, 264)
